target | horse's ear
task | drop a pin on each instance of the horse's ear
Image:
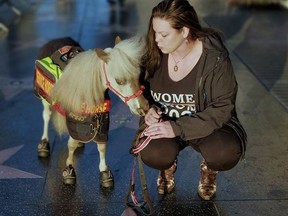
(102, 55)
(117, 40)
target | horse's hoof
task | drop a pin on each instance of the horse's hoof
(106, 178)
(43, 149)
(69, 175)
(80, 145)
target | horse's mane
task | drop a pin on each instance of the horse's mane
(82, 80)
(125, 57)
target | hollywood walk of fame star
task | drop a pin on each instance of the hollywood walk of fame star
(7, 172)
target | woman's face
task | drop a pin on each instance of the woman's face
(167, 38)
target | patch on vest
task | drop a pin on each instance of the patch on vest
(85, 110)
(100, 108)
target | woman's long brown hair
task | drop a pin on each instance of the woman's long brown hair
(179, 13)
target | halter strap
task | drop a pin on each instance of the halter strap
(126, 98)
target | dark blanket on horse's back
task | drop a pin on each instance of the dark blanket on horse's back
(88, 128)
(53, 45)
(83, 128)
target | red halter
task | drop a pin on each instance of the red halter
(126, 98)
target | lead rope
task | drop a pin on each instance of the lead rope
(146, 207)
(140, 146)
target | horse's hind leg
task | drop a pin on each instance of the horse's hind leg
(106, 176)
(69, 174)
(43, 146)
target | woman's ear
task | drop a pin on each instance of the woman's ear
(185, 32)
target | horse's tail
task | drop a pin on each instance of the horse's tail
(59, 122)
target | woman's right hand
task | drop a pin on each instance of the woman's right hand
(152, 116)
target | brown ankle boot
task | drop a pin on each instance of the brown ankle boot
(207, 183)
(165, 180)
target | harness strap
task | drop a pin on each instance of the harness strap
(58, 108)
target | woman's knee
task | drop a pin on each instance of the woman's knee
(157, 162)
(221, 150)
(160, 154)
(222, 164)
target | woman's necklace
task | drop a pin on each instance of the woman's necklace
(177, 62)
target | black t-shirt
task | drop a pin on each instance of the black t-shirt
(176, 98)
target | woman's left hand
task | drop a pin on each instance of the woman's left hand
(161, 129)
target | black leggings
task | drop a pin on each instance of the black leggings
(221, 150)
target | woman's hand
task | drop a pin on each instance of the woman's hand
(158, 130)
(152, 116)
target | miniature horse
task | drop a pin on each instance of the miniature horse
(79, 101)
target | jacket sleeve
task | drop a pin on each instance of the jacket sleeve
(220, 89)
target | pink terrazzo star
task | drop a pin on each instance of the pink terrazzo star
(7, 172)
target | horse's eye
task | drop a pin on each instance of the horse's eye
(120, 82)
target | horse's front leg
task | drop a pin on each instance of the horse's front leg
(69, 174)
(106, 176)
(43, 146)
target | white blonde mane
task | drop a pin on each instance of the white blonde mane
(125, 57)
(83, 78)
